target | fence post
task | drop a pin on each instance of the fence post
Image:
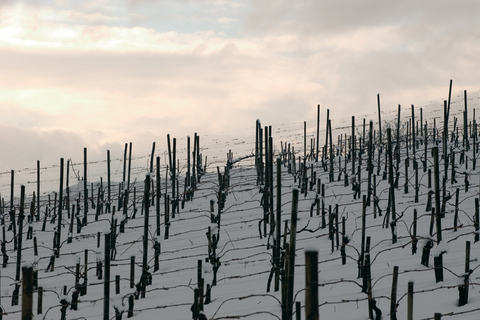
(311, 285)
(106, 281)
(40, 300)
(410, 301)
(27, 293)
(393, 301)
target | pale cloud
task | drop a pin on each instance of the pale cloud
(111, 72)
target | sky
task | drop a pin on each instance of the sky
(100, 73)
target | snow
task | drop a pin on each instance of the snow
(241, 289)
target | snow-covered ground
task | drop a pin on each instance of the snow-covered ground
(246, 260)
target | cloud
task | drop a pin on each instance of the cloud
(112, 73)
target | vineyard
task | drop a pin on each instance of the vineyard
(358, 218)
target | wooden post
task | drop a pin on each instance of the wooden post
(278, 224)
(106, 281)
(437, 194)
(318, 132)
(379, 122)
(109, 184)
(352, 149)
(20, 235)
(364, 221)
(40, 300)
(158, 195)
(152, 156)
(38, 190)
(85, 188)
(397, 144)
(117, 284)
(391, 181)
(85, 272)
(291, 261)
(414, 134)
(370, 163)
(129, 165)
(476, 221)
(410, 301)
(132, 271)
(27, 293)
(145, 225)
(60, 207)
(311, 285)
(393, 298)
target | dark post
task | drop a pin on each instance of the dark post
(158, 194)
(145, 225)
(278, 224)
(40, 300)
(311, 285)
(379, 121)
(109, 194)
(318, 132)
(20, 235)
(85, 189)
(38, 190)
(27, 293)
(393, 299)
(437, 193)
(476, 221)
(152, 156)
(132, 271)
(410, 301)
(106, 281)
(60, 207)
(117, 284)
(291, 262)
(129, 165)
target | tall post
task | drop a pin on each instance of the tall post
(414, 134)
(145, 225)
(158, 194)
(60, 207)
(20, 236)
(38, 189)
(410, 301)
(379, 121)
(109, 194)
(85, 189)
(291, 262)
(390, 174)
(353, 146)
(129, 164)
(174, 178)
(438, 209)
(278, 224)
(152, 156)
(311, 285)
(27, 293)
(393, 300)
(318, 132)
(106, 281)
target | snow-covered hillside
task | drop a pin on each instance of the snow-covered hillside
(245, 252)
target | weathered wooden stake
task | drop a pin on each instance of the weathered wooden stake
(40, 300)
(410, 301)
(20, 235)
(393, 298)
(278, 221)
(291, 261)
(311, 285)
(27, 293)
(132, 271)
(106, 281)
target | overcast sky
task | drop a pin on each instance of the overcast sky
(99, 73)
